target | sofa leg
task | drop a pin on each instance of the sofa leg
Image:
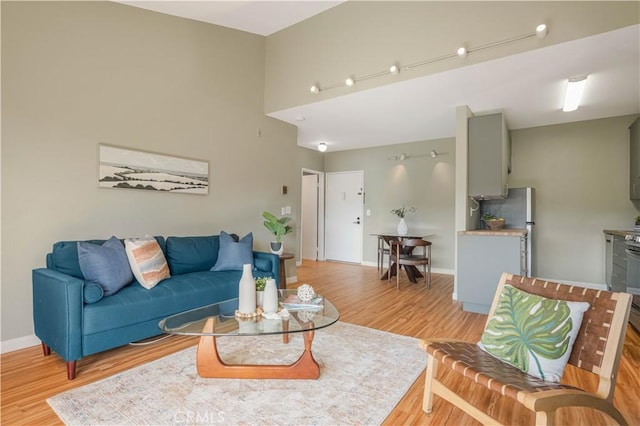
(71, 370)
(46, 350)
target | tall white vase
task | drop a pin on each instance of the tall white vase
(247, 291)
(402, 227)
(270, 304)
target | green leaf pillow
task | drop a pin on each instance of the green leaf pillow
(533, 333)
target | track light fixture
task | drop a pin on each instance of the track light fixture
(462, 52)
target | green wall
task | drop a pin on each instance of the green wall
(76, 74)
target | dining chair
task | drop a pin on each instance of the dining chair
(402, 254)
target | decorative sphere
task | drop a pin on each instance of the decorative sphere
(306, 293)
(306, 316)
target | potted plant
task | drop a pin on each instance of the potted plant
(493, 222)
(279, 228)
(401, 213)
(261, 282)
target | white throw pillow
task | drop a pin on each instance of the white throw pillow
(533, 333)
(147, 261)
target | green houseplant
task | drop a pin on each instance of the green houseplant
(278, 227)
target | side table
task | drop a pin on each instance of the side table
(283, 275)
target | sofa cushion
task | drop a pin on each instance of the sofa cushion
(134, 304)
(533, 333)
(192, 254)
(92, 292)
(232, 255)
(147, 261)
(105, 264)
(64, 256)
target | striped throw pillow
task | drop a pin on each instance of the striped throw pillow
(147, 261)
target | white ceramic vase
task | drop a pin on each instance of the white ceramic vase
(402, 227)
(247, 291)
(270, 305)
(276, 248)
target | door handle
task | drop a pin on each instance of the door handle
(357, 222)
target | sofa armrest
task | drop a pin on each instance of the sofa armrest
(57, 311)
(274, 261)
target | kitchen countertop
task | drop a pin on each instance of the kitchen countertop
(511, 232)
(618, 232)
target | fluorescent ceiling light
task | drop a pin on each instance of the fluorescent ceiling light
(575, 86)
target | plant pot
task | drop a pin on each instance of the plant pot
(259, 297)
(495, 224)
(276, 247)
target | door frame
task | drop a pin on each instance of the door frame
(320, 213)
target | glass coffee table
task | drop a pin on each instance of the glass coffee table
(212, 321)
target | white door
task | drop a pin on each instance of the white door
(310, 216)
(343, 219)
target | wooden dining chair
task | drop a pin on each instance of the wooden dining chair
(402, 254)
(597, 349)
(382, 251)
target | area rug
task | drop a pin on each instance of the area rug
(363, 375)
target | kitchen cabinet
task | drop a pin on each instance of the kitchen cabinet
(489, 156)
(615, 262)
(481, 261)
(634, 157)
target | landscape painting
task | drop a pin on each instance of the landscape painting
(132, 169)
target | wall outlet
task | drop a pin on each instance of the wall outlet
(287, 209)
(283, 211)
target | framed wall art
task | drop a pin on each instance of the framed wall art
(132, 169)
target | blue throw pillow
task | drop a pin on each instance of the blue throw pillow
(106, 264)
(232, 255)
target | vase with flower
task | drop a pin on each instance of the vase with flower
(401, 213)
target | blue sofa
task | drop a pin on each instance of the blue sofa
(74, 318)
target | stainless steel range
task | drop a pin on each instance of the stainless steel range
(633, 275)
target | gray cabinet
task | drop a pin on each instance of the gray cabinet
(489, 156)
(481, 261)
(615, 262)
(634, 157)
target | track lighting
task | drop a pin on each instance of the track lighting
(462, 52)
(322, 147)
(433, 153)
(541, 31)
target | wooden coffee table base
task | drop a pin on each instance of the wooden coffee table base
(211, 366)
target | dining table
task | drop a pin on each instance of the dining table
(413, 273)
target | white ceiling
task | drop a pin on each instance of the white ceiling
(528, 87)
(262, 17)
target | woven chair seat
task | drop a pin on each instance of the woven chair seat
(472, 362)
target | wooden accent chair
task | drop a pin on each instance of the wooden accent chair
(402, 253)
(597, 349)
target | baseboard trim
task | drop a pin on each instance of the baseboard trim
(19, 343)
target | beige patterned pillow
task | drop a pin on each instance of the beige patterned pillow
(147, 261)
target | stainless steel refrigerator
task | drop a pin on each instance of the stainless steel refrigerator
(518, 210)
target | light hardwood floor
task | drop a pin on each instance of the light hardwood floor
(29, 378)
